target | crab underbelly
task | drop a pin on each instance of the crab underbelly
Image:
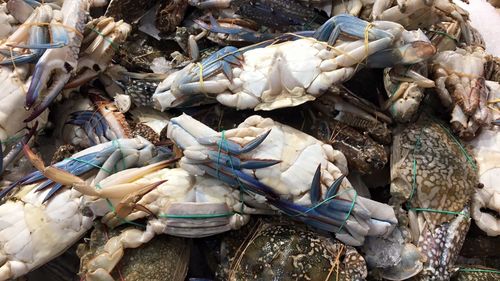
(281, 72)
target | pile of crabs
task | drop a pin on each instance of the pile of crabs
(263, 139)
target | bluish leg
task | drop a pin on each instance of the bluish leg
(15, 150)
(351, 25)
(244, 34)
(59, 37)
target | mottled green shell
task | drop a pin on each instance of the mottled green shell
(290, 252)
(427, 158)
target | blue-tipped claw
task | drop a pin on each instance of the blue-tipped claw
(232, 147)
(410, 53)
(236, 163)
(92, 122)
(322, 215)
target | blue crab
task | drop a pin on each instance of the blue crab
(292, 69)
(436, 176)
(286, 168)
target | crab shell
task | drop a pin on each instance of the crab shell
(431, 170)
(284, 251)
(41, 231)
(168, 255)
(427, 156)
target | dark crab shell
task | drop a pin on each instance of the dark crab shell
(284, 251)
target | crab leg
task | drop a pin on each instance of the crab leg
(57, 65)
(16, 149)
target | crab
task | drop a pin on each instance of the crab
(486, 152)
(288, 169)
(447, 36)
(273, 75)
(413, 14)
(173, 202)
(55, 67)
(279, 250)
(436, 176)
(167, 255)
(28, 42)
(359, 135)
(281, 15)
(460, 84)
(405, 87)
(41, 218)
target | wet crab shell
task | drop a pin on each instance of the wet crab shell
(284, 251)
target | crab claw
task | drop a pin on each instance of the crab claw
(127, 205)
(411, 53)
(52, 173)
(47, 69)
(349, 219)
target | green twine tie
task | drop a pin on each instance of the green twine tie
(465, 269)
(113, 44)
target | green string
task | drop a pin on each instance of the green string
(444, 34)
(308, 24)
(113, 44)
(89, 163)
(464, 269)
(326, 200)
(121, 154)
(439, 211)
(462, 148)
(11, 139)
